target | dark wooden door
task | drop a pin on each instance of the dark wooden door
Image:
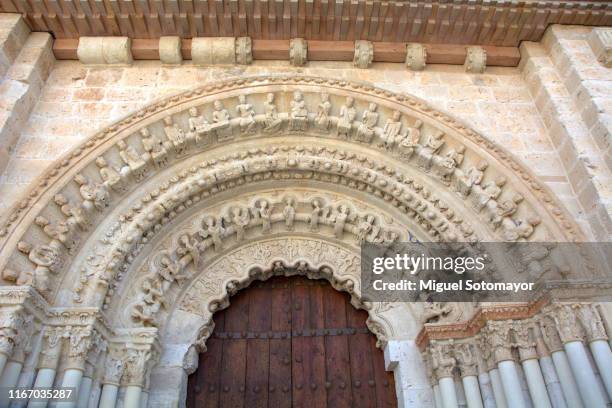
(291, 342)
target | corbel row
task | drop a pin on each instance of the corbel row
(206, 51)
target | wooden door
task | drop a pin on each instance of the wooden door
(291, 342)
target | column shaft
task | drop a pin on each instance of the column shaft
(587, 383)
(498, 389)
(511, 383)
(535, 382)
(568, 383)
(472, 391)
(132, 396)
(3, 360)
(144, 399)
(437, 396)
(72, 379)
(603, 359)
(9, 379)
(552, 382)
(108, 399)
(84, 392)
(44, 379)
(449, 394)
(486, 390)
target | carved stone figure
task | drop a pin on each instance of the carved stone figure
(187, 245)
(263, 211)
(199, 127)
(175, 135)
(487, 193)
(110, 176)
(322, 120)
(289, 213)
(369, 120)
(272, 122)
(364, 54)
(339, 219)
(60, 233)
(506, 208)
(298, 51)
(246, 114)
(430, 148)
(315, 215)
(95, 196)
(154, 148)
(76, 216)
(170, 270)
(46, 259)
(221, 122)
(299, 114)
(443, 361)
(135, 165)
(365, 227)
(519, 229)
(392, 130)
(416, 56)
(347, 116)
(444, 166)
(213, 228)
(465, 182)
(241, 218)
(410, 139)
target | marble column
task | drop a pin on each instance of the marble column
(603, 359)
(498, 389)
(468, 367)
(443, 364)
(511, 383)
(553, 385)
(108, 398)
(144, 399)
(84, 392)
(114, 367)
(437, 396)
(531, 367)
(132, 396)
(48, 362)
(587, 383)
(449, 395)
(486, 390)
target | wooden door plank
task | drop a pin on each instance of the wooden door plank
(362, 371)
(385, 386)
(234, 351)
(258, 349)
(209, 368)
(316, 357)
(300, 367)
(337, 357)
(279, 391)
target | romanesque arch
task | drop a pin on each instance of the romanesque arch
(140, 234)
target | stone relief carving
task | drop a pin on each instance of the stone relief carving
(298, 51)
(364, 54)
(475, 60)
(298, 118)
(416, 56)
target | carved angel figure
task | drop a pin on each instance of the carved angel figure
(110, 176)
(392, 130)
(339, 220)
(199, 128)
(136, 166)
(299, 113)
(47, 260)
(365, 227)
(272, 121)
(175, 135)
(221, 121)
(241, 218)
(289, 213)
(187, 245)
(263, 211)
(432, 146)
(315, 215)
(170, 270)
(323, 110)
(246, 113)
(347, 116)
(154, 147)
(213, 228)
(369, 120)
(75, 214)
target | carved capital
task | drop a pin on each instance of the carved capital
(475, 60)
(524, 340)
(550, 335)
(113, 369)
(592, 323)
(51, 347)
(566, 320)
(11, 321)
(364, 54)
(416, 56)
(443, 361)
(298, 52)
(79, 343)
(466, 359)
(497, 335)
(135, 367)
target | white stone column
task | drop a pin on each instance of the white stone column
(603, 359)
(437, 396)
(412, 386)
(569, 329)
(468, 367)
(593, 323)
(553, 385)
(485, 380)
(114, 367)
(47, 365)
(443, 364)
(486, 390)
(132, 396)
(108, 398)
(72, 379)
(497, 333)
(144, 399)
(449, 395)
(80, 340)
(498, 389)
(84, 392)
(511, 383)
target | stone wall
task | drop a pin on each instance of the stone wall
(509, 105)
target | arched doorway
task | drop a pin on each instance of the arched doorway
(291, 342)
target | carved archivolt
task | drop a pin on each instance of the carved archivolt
(125, 184)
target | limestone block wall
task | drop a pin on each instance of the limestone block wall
(505, 104)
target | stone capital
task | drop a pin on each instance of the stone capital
(51, 347)
(566, 320)
(592, 322)
(466, 359)
(524, 340)
(497, 335)
(443, 361)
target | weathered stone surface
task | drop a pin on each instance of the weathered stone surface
(105, 50)
(213, 51)
(600, 41)
(170, 50)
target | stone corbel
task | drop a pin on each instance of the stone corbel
(364, 54)
(170, 50)
(221, 51)
(298, 52)
(416, 56)
(105, 50)
(244, 51)
(600, 41)
(475, 60)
